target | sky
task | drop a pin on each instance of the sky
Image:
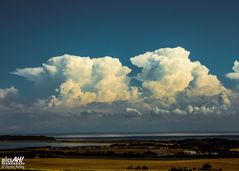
(119, 66)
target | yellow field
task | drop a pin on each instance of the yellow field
(231, 164)
(235, 149)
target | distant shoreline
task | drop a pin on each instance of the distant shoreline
(25, 138)
(134, 148)
(117, 136)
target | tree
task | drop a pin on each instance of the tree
(145, 168)
(206, 166)
(137, 167)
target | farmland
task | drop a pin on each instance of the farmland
(228, 164)
(220, 154)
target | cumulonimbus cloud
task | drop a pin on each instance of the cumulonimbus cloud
(180, 85)
(83, 80)
(171, 83)
(167, 71)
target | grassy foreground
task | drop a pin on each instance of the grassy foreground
(227, 164)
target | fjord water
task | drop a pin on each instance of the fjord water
(143, 136)
(28, 144)
(99, 139)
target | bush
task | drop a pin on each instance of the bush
(137, 167)
(145, 168)
(130, 167)
(206, 166)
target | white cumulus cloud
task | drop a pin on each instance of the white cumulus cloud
(83, 80)
(8, 101)
(165, 71)
(8, 93)
(171, 84)
(179, 84)
(235, 74)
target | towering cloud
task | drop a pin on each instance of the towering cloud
(171, 84)
(182, 85)
(82, 80)
(234, 75)
(88, 94)
(165, 71)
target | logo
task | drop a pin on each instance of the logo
(16, 162)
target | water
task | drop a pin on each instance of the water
(95, 139)
(27, 144)
(144, 136)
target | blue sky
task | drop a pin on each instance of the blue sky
(32, 32)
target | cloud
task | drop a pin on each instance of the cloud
(179, 85)
(235, 74)
(97, 94)
(8, 94)
(82, 80)
(172, 84)
(8, 101)
(133, 110)
(32, 74)
(165, 71)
